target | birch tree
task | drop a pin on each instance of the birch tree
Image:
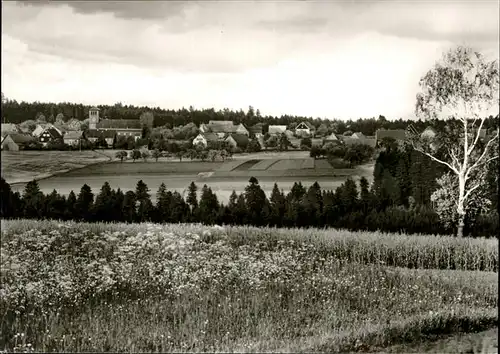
(463, 88)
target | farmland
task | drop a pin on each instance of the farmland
(222, 177)
(23, 166)
(169, 288)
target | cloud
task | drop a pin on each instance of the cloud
(119, 9)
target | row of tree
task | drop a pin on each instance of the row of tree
(350, 206)
(18, 112)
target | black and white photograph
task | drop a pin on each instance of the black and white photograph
(237, 176)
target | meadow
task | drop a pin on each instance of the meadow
(176, 288)
(24, 166)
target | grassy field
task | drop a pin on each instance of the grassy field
(23, 166)
(180, 288)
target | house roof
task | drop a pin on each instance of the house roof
(73, 134)
(94, 109)
(222, 126)
(358, 134)
(241, 139)
(9, 127)
(54, 133)
(106, 134)
(21, 138)
(307, 124)
(332, 137)
(288, 133)
(364, 141)
(119, 124)
(256, 129)
(398, 134)
(220, 122)
(210, 137)
(276, 129)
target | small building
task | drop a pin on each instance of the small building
(48, 135)
(73, 138)
(16, 141)
(277, 129)
(305, 129)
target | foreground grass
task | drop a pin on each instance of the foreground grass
(79, 287)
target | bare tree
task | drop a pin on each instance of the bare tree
(464, 89)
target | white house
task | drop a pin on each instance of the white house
(200, 139)
(304, 128)
(205, 138)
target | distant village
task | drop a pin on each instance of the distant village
(237, 136)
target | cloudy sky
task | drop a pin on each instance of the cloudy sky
(331, 59)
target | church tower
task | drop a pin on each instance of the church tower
(93, 118)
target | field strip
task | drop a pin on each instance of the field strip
(322, 164)
(288, 164)
(245, 166)
(307, 163)
(263, 165)
(231, 165)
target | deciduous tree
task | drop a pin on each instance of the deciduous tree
(464, 86)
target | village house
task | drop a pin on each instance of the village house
(305, 129)
(41, 128)
(73, 138)
(119, 127)
(256, 130)
(48, 135)
(397, 134)
(276, 129)
(223, 127)
(205, 138)
(237, 140)
(109, 136)
(16, 141)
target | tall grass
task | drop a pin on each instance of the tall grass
(164, 288)
(409, 251)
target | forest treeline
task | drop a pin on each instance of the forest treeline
(18, 112)
(397, 201)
